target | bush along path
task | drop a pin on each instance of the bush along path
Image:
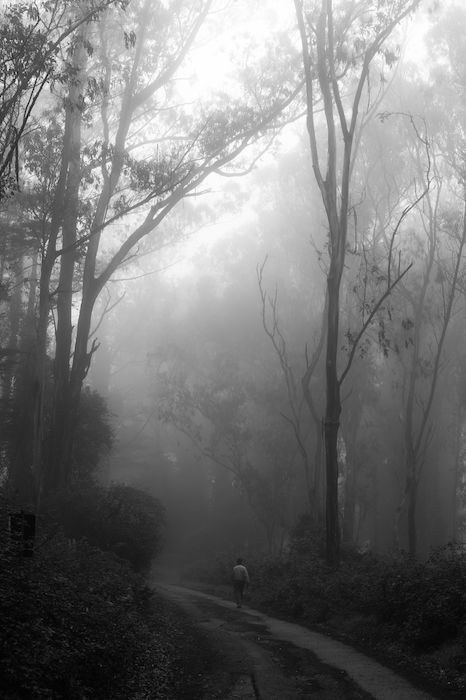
(78, 623)
(407, 615)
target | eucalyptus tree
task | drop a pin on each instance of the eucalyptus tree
(342, 43)
(415, 334)
(309, 446)
(133, 148)
(432, 304)
(35, 40)
(446, 95)
(441, 240)
(32, 37)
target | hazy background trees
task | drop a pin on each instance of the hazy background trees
(197, 304)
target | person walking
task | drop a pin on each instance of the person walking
(240, 578)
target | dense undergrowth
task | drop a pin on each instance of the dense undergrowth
(410, 614)
(73, 625)
(79, 622)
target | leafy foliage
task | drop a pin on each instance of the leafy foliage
(76, 623)
(118, 519)
(32, 37)
(420, 605)
(94, 436)
(412, 614)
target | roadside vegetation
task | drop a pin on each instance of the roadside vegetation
(79, 622)
(78, 619)
(410, 615)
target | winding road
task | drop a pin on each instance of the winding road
(263, 658)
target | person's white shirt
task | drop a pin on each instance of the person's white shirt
(240, 573)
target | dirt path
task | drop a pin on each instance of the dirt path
(261, 657)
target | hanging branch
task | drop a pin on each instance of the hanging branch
(391, 284)
(279, 344)
(369, 320)
(446, 321)
(278, 340)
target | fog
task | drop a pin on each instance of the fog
(203, 362)
(188, 281)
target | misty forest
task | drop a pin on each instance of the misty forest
(232, 324)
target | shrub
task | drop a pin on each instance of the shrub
(420, 604)
(93, 437)
(119, 519)
(74, 625)
(427, 601)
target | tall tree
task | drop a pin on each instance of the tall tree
(132, 150)
(340, 43)
(36, 41)
(432, 302)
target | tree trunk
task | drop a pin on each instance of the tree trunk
(318, 488)
(16, 391)
(456, 473)
(412, 532)
(58, 454)
(348, 526)
(332, 419)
